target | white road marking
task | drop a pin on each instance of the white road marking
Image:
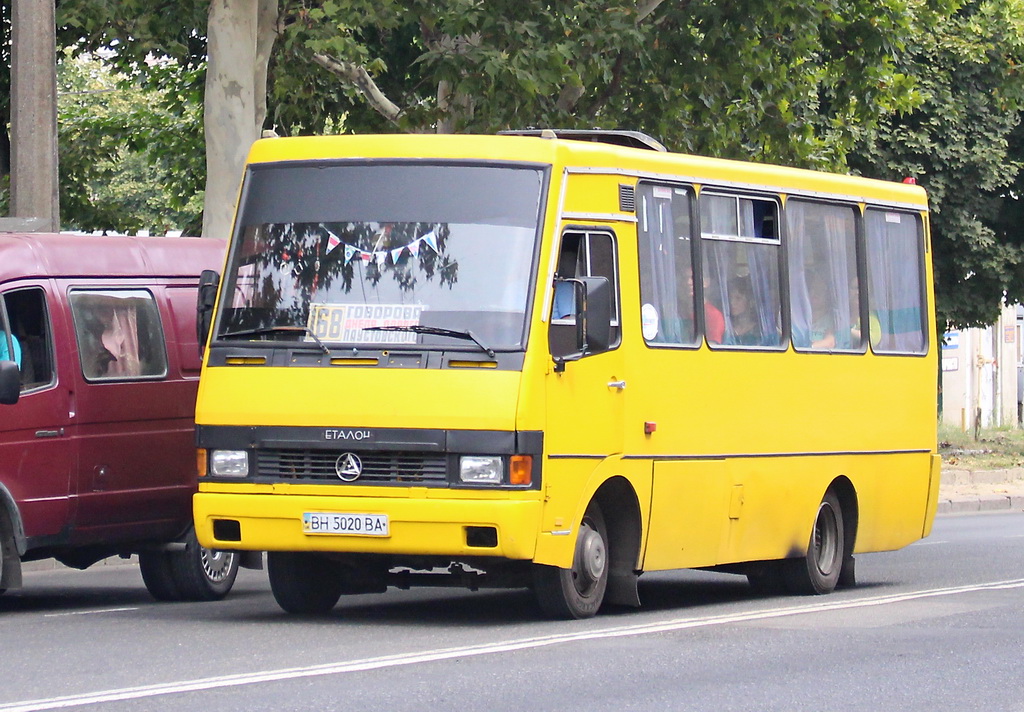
(427, 656)
(90, 612)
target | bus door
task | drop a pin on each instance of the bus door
(586, 391)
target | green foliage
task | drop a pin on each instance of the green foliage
(963, 144)
(788, 81)
(122, 147)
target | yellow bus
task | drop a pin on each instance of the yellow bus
(558, 360)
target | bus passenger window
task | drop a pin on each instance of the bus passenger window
(895, 292)
(823, 285)
(741, 269)
(666, 265)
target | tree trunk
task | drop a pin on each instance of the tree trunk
(240, 36)
(34, 184)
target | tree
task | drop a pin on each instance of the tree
(788, 81)
(115, 170)
(963, 143)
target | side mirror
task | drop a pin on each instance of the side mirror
(596, 312)
(10, 383)
(591, 308)
(209, 281)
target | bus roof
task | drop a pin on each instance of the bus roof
(66, 255)
(582, 155)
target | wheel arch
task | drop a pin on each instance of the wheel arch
(847, 494)
(12, 541)
(623, 520)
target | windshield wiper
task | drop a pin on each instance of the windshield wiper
(436, 331)
(281, 327)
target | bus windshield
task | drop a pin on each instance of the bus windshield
(384, 255)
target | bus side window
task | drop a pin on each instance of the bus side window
(666, 265)
(895, 257)
(823, 285)
(582, 254)
(740, 243)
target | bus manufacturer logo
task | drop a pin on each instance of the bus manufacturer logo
(348, 466)
(338, 434)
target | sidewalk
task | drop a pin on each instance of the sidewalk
(962, 491)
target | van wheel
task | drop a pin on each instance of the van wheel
(155, 567)
(202, 574)
(304, 583)
(818, 572)
(579, 591)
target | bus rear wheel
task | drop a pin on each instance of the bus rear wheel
(304, 583)
(818, 572)
(577, 592)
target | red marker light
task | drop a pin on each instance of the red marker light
(650, 427)
(910, 181)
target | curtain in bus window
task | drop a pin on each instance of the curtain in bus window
(666, 273)
(741, 277)
(894, 280)
(823, 283)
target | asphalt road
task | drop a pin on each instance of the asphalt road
(936, 626)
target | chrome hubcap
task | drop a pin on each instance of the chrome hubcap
(591, 558)
(217, 564)
(826, 540)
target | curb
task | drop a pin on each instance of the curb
(981, 503)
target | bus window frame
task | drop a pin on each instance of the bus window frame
(781, 259)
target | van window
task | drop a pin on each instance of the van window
(25, 330)
(119, 334)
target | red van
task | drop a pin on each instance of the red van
(99, 367)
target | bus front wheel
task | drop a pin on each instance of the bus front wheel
(819, 571)
(304, 583)
(577, 592)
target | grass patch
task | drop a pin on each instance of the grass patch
(994, 449)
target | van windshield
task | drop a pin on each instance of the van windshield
(384, 255)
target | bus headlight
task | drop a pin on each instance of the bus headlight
(229, 463)
(481, 469)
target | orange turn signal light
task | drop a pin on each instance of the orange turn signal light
(520, 470)
(201, 461)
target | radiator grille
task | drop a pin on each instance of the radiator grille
(378, 467)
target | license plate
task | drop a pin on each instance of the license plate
(345, 524)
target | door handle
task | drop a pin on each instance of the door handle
(50, 433)
(617, 384)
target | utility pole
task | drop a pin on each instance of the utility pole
(34, 194)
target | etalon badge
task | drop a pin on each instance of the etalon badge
(348, 466)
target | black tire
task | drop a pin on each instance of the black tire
(304, 583)
(818, 572)
(579, 591)
(155, 567)
(202, 574)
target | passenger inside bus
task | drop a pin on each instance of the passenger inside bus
(745, 328)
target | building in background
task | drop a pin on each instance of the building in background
(982, 374)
